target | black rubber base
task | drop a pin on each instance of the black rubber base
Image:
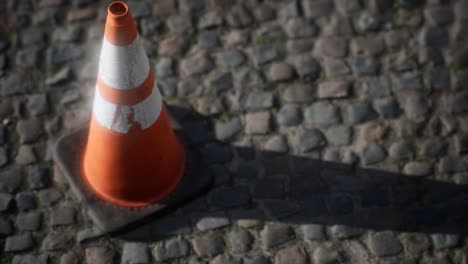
(109, 217)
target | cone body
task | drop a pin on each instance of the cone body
(132, 157)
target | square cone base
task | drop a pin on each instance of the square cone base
(109, 217)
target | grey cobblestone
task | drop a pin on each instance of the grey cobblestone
(322, 114)
(209, 244)
(94, 255)
(294, 254)
(19, 242)
(313, 232)
(30, 221)
(384, 244)
(276, 234)
(211, 221)
(170, 249)
(257, 123)
(57, 240)
(241, 241)
(306, 140)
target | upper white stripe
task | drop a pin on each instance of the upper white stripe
(116, 117)
(123, 67)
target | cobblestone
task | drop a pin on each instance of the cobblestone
(209, 221)
(240, 241)
(276, 234)
(209, 244)
(306, 140)
(30, 221)
(333, 89)
(313, 232)
(322, 114)
(323, 255)
(299, 94)
(57, 240)
(95, 255)
(26, 201)
(289, 115)
(170, 249)
(257, 123)
(226, 130)
(19, 243)
(30, 259)
(5, 201)
(6, 228)
(384, 244)
(293, 255)
(416, 243)
(62, 215)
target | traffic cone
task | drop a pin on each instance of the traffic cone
(132, 155)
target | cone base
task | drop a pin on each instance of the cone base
(110, 217)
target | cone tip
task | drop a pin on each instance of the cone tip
(117, 9)
(120, 28)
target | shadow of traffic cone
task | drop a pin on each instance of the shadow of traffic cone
(131, 156)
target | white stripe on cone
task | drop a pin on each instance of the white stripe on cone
(117, 117)
(123, 67)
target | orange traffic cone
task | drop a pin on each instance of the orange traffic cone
(130, 155)
(130, 136)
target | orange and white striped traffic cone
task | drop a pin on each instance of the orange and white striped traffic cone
(132, 157)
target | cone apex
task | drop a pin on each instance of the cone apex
(120, 28)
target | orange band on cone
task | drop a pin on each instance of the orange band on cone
(127, 97)
(120, 29)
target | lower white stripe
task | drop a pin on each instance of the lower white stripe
(120, 118)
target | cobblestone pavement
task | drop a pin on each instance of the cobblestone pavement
(337, 131)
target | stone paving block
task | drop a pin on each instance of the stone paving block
(416, 243)
(210, 244)
(313, 232)
(306, 140)
(30, 221)
(57, 241)
(324, 255)
(88, 234)
(25, 259)
(302, 93)
(62, 215)
(26, 201)
(210, 220)
(240, 241)
(257, 123)
(225, 259)
(274, 235)
(384, 244)
(69, 257)
(19, 243)
(256, 260)
(95, 255)
(247, 218)
(293, 255)
(170, 249)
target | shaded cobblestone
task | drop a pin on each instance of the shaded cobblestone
(276, 234)
(209, 244)
(170, 249)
